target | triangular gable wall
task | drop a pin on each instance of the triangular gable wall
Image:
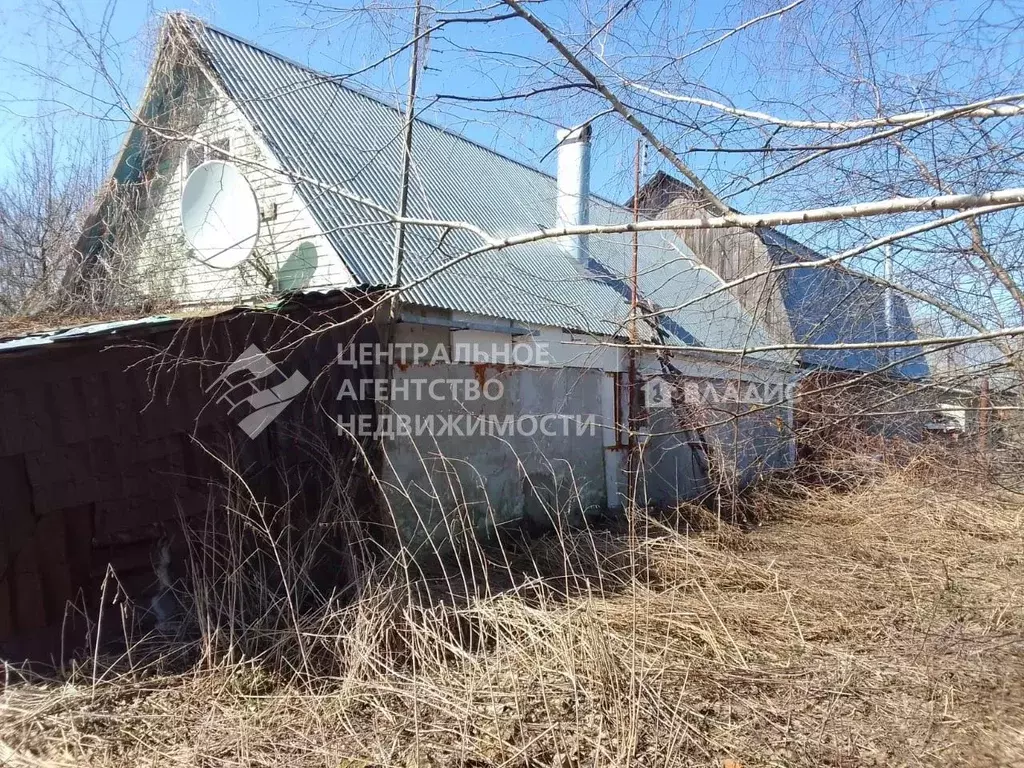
(184, 111)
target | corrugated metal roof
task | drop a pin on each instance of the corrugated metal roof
(92, 329)
(82, 331)
(835, 305)
(344, 139)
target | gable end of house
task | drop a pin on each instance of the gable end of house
(135, 235)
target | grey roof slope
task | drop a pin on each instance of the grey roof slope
(824, 305)
(834, 306)
(321, 129)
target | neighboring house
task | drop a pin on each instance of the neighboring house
(811, 305)
(324, 161)
(977, 390)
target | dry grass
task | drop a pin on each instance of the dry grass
(16, 326)
(883, 626)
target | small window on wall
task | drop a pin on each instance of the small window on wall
(197, 154)
(221, 150)
(194, 156)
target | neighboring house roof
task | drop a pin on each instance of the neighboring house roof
(830, 305)
(968, 366)
(325, 134)
(833, 305)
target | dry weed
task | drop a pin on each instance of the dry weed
(881, 626)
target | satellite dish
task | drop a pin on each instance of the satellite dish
(219, 215)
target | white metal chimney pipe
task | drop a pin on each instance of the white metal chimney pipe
(573, 182)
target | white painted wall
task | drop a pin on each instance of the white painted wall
(747, 445)
(290, 254)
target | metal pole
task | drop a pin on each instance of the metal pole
(891, 351)
(633, 418)
(983, 413)
(635, 298)
(398, 253)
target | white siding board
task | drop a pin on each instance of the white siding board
(291, 252)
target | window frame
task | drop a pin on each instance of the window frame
(196, 154)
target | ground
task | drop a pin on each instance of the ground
(880, 625)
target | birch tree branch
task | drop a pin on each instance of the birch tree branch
(627, 114)
(1006, 197)
(829, 261)
(931, 341)
(745, 25)
(997, 106)
(895, 205)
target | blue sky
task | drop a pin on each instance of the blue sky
(808, 64)
(47, 70)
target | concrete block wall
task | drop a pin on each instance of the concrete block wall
(442, 487)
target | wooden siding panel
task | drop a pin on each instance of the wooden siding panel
(731, 253)
(164, 264)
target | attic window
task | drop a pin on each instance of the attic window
(197, 154)
(221, 150)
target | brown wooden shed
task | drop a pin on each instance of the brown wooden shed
(113, 434)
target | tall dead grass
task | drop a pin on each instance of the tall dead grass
(878, 626)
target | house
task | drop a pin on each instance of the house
(503, 385)
(324, 162)
(874, 390)
(977, 393)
